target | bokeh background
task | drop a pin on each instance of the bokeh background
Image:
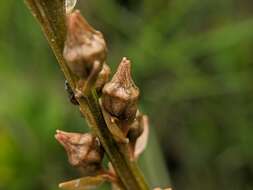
(192, 59)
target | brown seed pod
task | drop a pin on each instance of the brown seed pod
(84, 45)
(83, 150)
(120, 95)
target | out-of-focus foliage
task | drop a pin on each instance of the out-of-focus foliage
(193, 62)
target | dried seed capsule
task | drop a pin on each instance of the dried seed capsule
(120, 95)
(83, 150)
(84, 46)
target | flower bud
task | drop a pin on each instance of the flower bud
(83, 150)
(103, 77)
(84, 45)
(120, 95)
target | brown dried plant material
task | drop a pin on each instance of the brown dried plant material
(158, 188)
(91, 182)
(103, 77)
(84, 150)
(142, 140)
(84, 183)
(138, 135)
(136, 128)
(84, 46)
(120, 95)
(113, 127)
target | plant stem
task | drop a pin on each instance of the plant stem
(51, 16)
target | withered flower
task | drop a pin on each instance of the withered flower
(120, 95)
(83, 150)
(84, 45)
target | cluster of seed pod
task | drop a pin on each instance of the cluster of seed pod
(85, 53)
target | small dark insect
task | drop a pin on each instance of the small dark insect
(71, 94)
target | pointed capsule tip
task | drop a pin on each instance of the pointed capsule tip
(77, 22)
(58, 131)
(61, 185)
(125, 62)
(123, 73)
(124, 59)
(61, 136)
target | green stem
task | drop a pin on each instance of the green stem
(51, 16)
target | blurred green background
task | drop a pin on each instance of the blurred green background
(193, 61)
